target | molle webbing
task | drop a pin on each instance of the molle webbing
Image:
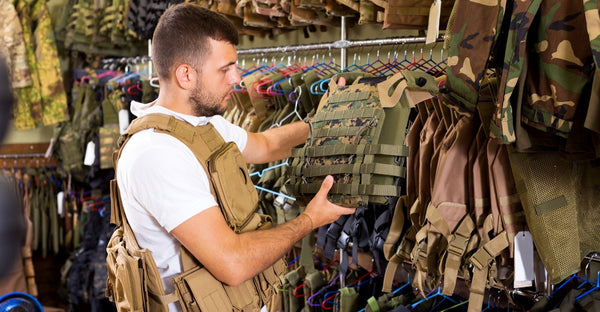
(350, 140)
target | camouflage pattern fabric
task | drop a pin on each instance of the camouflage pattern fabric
(469, 44)
(28, 111)
(592, 17)
(346, 142)
(45, 101)
(12, 46)
(550, 32)
(54, 98)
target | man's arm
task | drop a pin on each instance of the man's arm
(275, 143)
(234, 258)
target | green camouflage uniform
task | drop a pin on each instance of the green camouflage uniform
(469, 43)
(12, 46)
(46, 97)
(560, 65)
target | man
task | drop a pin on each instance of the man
(166, 192)
(11, 224)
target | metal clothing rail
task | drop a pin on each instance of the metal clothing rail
(340, 44)
(26, 155)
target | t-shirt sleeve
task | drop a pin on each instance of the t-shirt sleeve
(230, 132)
(169, 181)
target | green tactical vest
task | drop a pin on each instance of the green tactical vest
(134, 283)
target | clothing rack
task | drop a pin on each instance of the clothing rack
(342, 44)
(25, 154)
(30, 155)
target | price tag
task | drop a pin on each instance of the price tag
(60, 203)
(433, 26)
(90, 154)
(524, 263)
(123, 120)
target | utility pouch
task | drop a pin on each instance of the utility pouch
(237, 204)
(198, 290)
(133, 282)
(125, 275)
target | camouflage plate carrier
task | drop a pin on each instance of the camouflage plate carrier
(357, 136)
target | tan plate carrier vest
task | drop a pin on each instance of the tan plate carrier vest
(134, 283)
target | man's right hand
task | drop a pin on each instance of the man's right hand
(320, 210)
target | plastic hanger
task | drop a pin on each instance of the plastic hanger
(295, 111)
(596, 287)
(395, 291)
(154, 82)
(563, 284)
(372, 65)
(262, 172)
(310, 298)
(436, 293)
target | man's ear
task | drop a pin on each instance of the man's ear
(185, 76)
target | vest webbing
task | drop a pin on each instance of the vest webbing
(358, 140)
(203, 141)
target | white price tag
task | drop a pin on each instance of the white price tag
(524, 263)
(123, 120)
(90, 154)
(60, 203)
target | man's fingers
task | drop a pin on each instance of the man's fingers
(341, 81)
(325, 186)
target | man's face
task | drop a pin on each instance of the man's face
(215, 80)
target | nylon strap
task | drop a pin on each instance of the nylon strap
(395, 229)
(456, 249)
(339, 188)
(351, 149)
(332, 234)
(419, 259)
(481, 261)
(337, 132)
(348, 114)
(380, 169)
(436, 219)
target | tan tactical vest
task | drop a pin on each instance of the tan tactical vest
(134, 283)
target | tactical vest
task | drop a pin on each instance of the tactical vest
(134, 283)
(357, 136)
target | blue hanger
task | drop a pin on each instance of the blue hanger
(261, 173)
(395, 291)
(574, 276)
(597, 286)
(437, 293)
(273, 192)
(276, 91)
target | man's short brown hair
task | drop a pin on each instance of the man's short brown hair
(182, 33)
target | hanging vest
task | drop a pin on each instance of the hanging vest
(357, 136)
(134, 283)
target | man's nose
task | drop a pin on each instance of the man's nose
(235, 77)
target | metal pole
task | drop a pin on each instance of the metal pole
(343, 39)
(150, 58)
(340, 44)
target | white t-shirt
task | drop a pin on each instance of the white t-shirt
(162, 185)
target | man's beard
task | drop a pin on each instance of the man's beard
(206, 104)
